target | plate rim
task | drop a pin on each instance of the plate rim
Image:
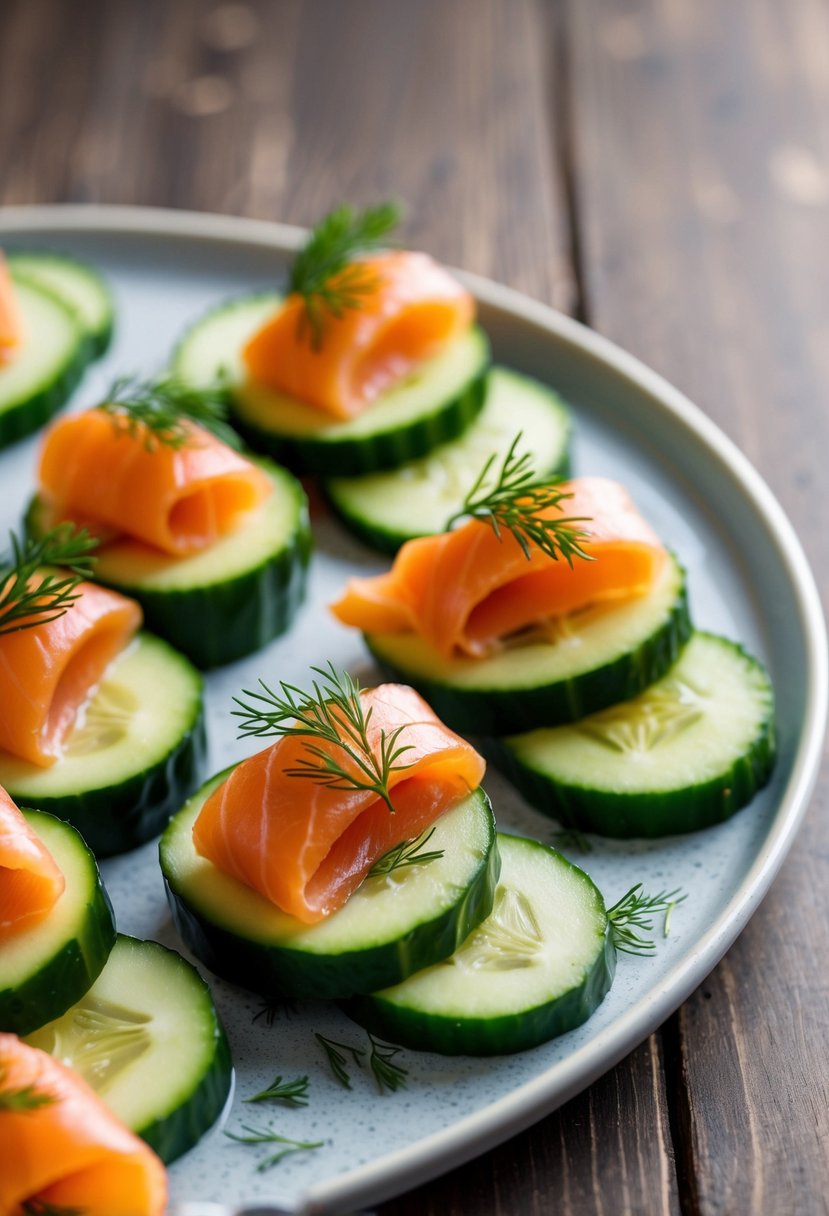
(510, 1114)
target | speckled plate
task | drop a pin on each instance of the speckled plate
(748, 579)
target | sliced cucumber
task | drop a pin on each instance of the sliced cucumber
(580, 663)
(148, 1040)
(540, 965)
(390, 927)
(77, 284)
(227, 601)
(49, 966)
(429, 407)
(133, 756)
(419, 498)
(47, 366)
(686, 753)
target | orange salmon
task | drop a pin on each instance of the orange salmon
(11, 322)
(31, 882)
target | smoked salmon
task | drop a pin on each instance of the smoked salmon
(305, 846)
(409, 308)
(47, 671)
(31, 882)
(466, 590)
(97, 469)
(61, 1149)
(11, 322)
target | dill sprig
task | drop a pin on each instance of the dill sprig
(387, 1074)
(25, 602)
(407, 853)
(336, 1054)
(332, 717)
(25, 1098)
(258, 1135)
(162, 408)
(634, 912)
(292, 1093)
(322, 272)
(512, 499)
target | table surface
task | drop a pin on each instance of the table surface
(658, 169)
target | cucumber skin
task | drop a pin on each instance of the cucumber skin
(510, 711)
(628, 815)
(98, 340)
(67, 976)
(278, 972)
(116, 819)
(488, 1036)
(368, 453)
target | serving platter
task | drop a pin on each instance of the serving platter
(748, 579)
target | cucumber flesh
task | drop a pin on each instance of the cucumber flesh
(686, 753)
(391, 926)
(539, 965)
(430, 406)
(77, 284)
(419, 498)
(575, 665)
(148, 1040)
(227, 601)
(48, 365)
(132, 757)
(50, 965)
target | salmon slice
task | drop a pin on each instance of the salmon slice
(93, 467)
(31, 883)
(307, 847)
(48, 671)
(466, 591)
(61, 1148)
(412, 309)
(11, 322)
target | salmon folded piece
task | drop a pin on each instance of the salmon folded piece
(31, 882)
(62, 1149)
(48, 671)
(11, 322)
(465, 591)
(411, 308)
(306, 847)
(99, 469)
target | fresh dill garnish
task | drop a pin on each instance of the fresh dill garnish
(407, 853)
(572, 838)
(514, 500)
(635, 911)
(336, 1054)
(257, 1135)
(292, 1093)
(26, 602)
(332, 717)
(323, 273)
(40, 1207)
(163, 407)
(387, 1074)
(269, 1011)
(25, 1098)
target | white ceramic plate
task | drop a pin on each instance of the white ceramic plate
(748, 579)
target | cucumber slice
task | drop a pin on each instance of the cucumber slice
(232, 598)
(418, 499)
(540, 965)
(148, 1040)
(584, 662)
(46, 368)
(77, 284)
(686, 753)
(429, 407)
(390, 927)
(49, 966)
(132, 757)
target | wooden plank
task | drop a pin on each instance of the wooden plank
(700, 140)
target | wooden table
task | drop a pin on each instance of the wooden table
(658, 168)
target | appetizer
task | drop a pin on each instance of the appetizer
(77, 284)
(213, 545)
(371, 360)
